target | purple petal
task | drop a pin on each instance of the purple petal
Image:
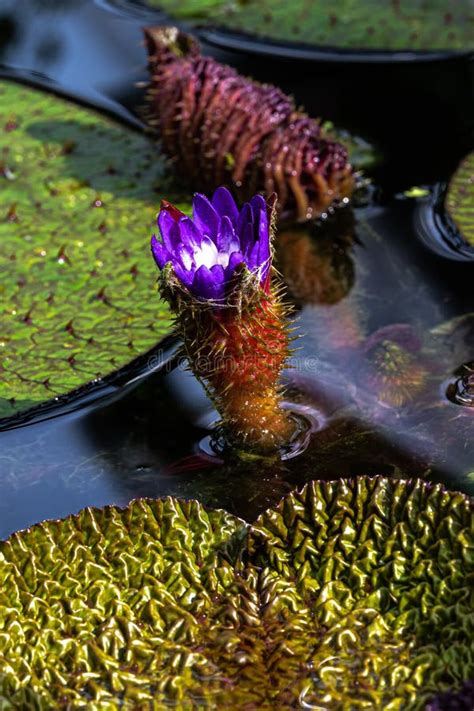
(245, 218)
(258, 205)
(184, 276)
(235, 259)
(263, 226)
(226, 238)
(253, 258)
(206, 253)
(189, 233)
(264, 256)
(160, 253)
(224, 204)
(183, 256)
(217, 233)
(205, 285)
(205, 217)
(248, 239)
(169, 230)
(264, 239)
(219, 279)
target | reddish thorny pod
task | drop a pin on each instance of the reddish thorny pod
(216, 275)
(224, 129)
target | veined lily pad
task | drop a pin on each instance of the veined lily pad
(78, 201)
(354, 594)
(346, 24)
(460, 198)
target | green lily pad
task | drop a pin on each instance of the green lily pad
(78, 201)
(353, 594)
(346, 24)
(460, 198)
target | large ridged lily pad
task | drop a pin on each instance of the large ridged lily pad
(78, 200)
(346, 24)
(460, 198)
(354, 594)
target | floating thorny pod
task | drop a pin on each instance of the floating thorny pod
(316, 263)
(217, 276)
(393, 367)
(222, 128)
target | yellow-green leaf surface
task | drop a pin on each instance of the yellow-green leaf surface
(353, 594)
(460, 198)
(79, 195)
(348, 24)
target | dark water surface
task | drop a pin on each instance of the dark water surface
(387, 324)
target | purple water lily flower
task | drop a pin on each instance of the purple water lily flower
(205, 250)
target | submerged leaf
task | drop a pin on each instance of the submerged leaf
(76, 279)
(354, 594)
(393, 367)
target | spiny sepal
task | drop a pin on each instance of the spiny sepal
(238, 351)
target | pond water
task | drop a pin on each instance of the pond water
(386, 326)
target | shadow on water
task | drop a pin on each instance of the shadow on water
(9, 32)
(80, 161)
